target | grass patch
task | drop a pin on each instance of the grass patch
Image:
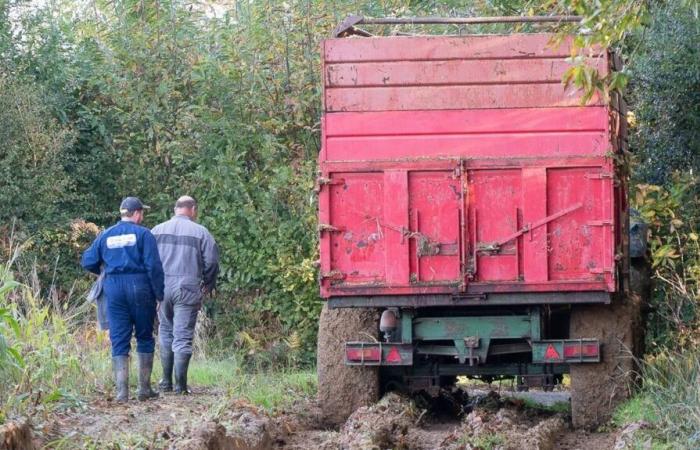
(637, 408)
(558, 407)
(276, 390)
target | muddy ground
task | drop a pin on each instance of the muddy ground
(207, 420)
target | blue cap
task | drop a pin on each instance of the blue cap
(131, 204)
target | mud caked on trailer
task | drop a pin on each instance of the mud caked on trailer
(473, 221)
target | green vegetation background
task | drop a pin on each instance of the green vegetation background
(221, 100)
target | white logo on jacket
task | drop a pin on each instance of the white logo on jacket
(123, 240)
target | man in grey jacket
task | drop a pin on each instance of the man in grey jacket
(190, 259)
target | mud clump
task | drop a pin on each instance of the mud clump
(629, 435)
(505, 428)
(246, 429)
(383, 425)
(16, 436)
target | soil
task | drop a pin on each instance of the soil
(343, 389)
(207, 420)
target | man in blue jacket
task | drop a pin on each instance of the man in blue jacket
(134, 283)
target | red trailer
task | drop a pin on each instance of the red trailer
(479, 205)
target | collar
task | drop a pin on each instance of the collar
(181, 216)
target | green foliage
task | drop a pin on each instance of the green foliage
(34, 145)
(10, 357)
(665, 95)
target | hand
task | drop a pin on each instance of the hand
(158, 302)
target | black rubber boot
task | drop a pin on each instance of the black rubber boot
(182, 363)
(166, 360)
(145, 368)
(120, 366)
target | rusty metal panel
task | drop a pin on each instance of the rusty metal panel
(406, 48)
(429, 97)
(495, 202)
(577, 240)
(434, 236)
(357, 243)
(450, 72)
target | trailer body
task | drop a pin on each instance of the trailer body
(462, 167)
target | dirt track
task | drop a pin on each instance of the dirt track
(207, 420)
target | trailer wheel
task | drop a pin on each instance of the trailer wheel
(342, 389)
(596, 389)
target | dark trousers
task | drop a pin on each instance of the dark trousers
(131, 308)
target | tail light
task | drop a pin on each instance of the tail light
(355, 354)
(578, 349)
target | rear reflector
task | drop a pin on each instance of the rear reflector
(373, 354)
(393, 356)
(575, 350)
(551, 353)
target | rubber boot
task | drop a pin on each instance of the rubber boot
(120, 365)
(145, 368)
(182, 363)
(166, 360)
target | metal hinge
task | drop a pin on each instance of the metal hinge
(333, 275)
(600, 176)
(329, 228)
(599, 223)
(600, 270)
(323, 181)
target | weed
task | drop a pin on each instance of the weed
(484, 441)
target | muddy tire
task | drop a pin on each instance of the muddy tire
(342, 389)
(596, 389)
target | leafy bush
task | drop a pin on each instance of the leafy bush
(673, 214)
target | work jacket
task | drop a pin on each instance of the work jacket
(188, 250)
(123, 249)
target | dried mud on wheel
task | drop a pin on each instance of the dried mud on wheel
(596, 389)
(343, 389)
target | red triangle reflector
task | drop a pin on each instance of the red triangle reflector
(393, 356)
(551, 353)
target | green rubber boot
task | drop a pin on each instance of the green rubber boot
(182, 363)
(145, 368)
(120, 366)
(166, 360)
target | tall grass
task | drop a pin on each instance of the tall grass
(672, 387)
(50, 356)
